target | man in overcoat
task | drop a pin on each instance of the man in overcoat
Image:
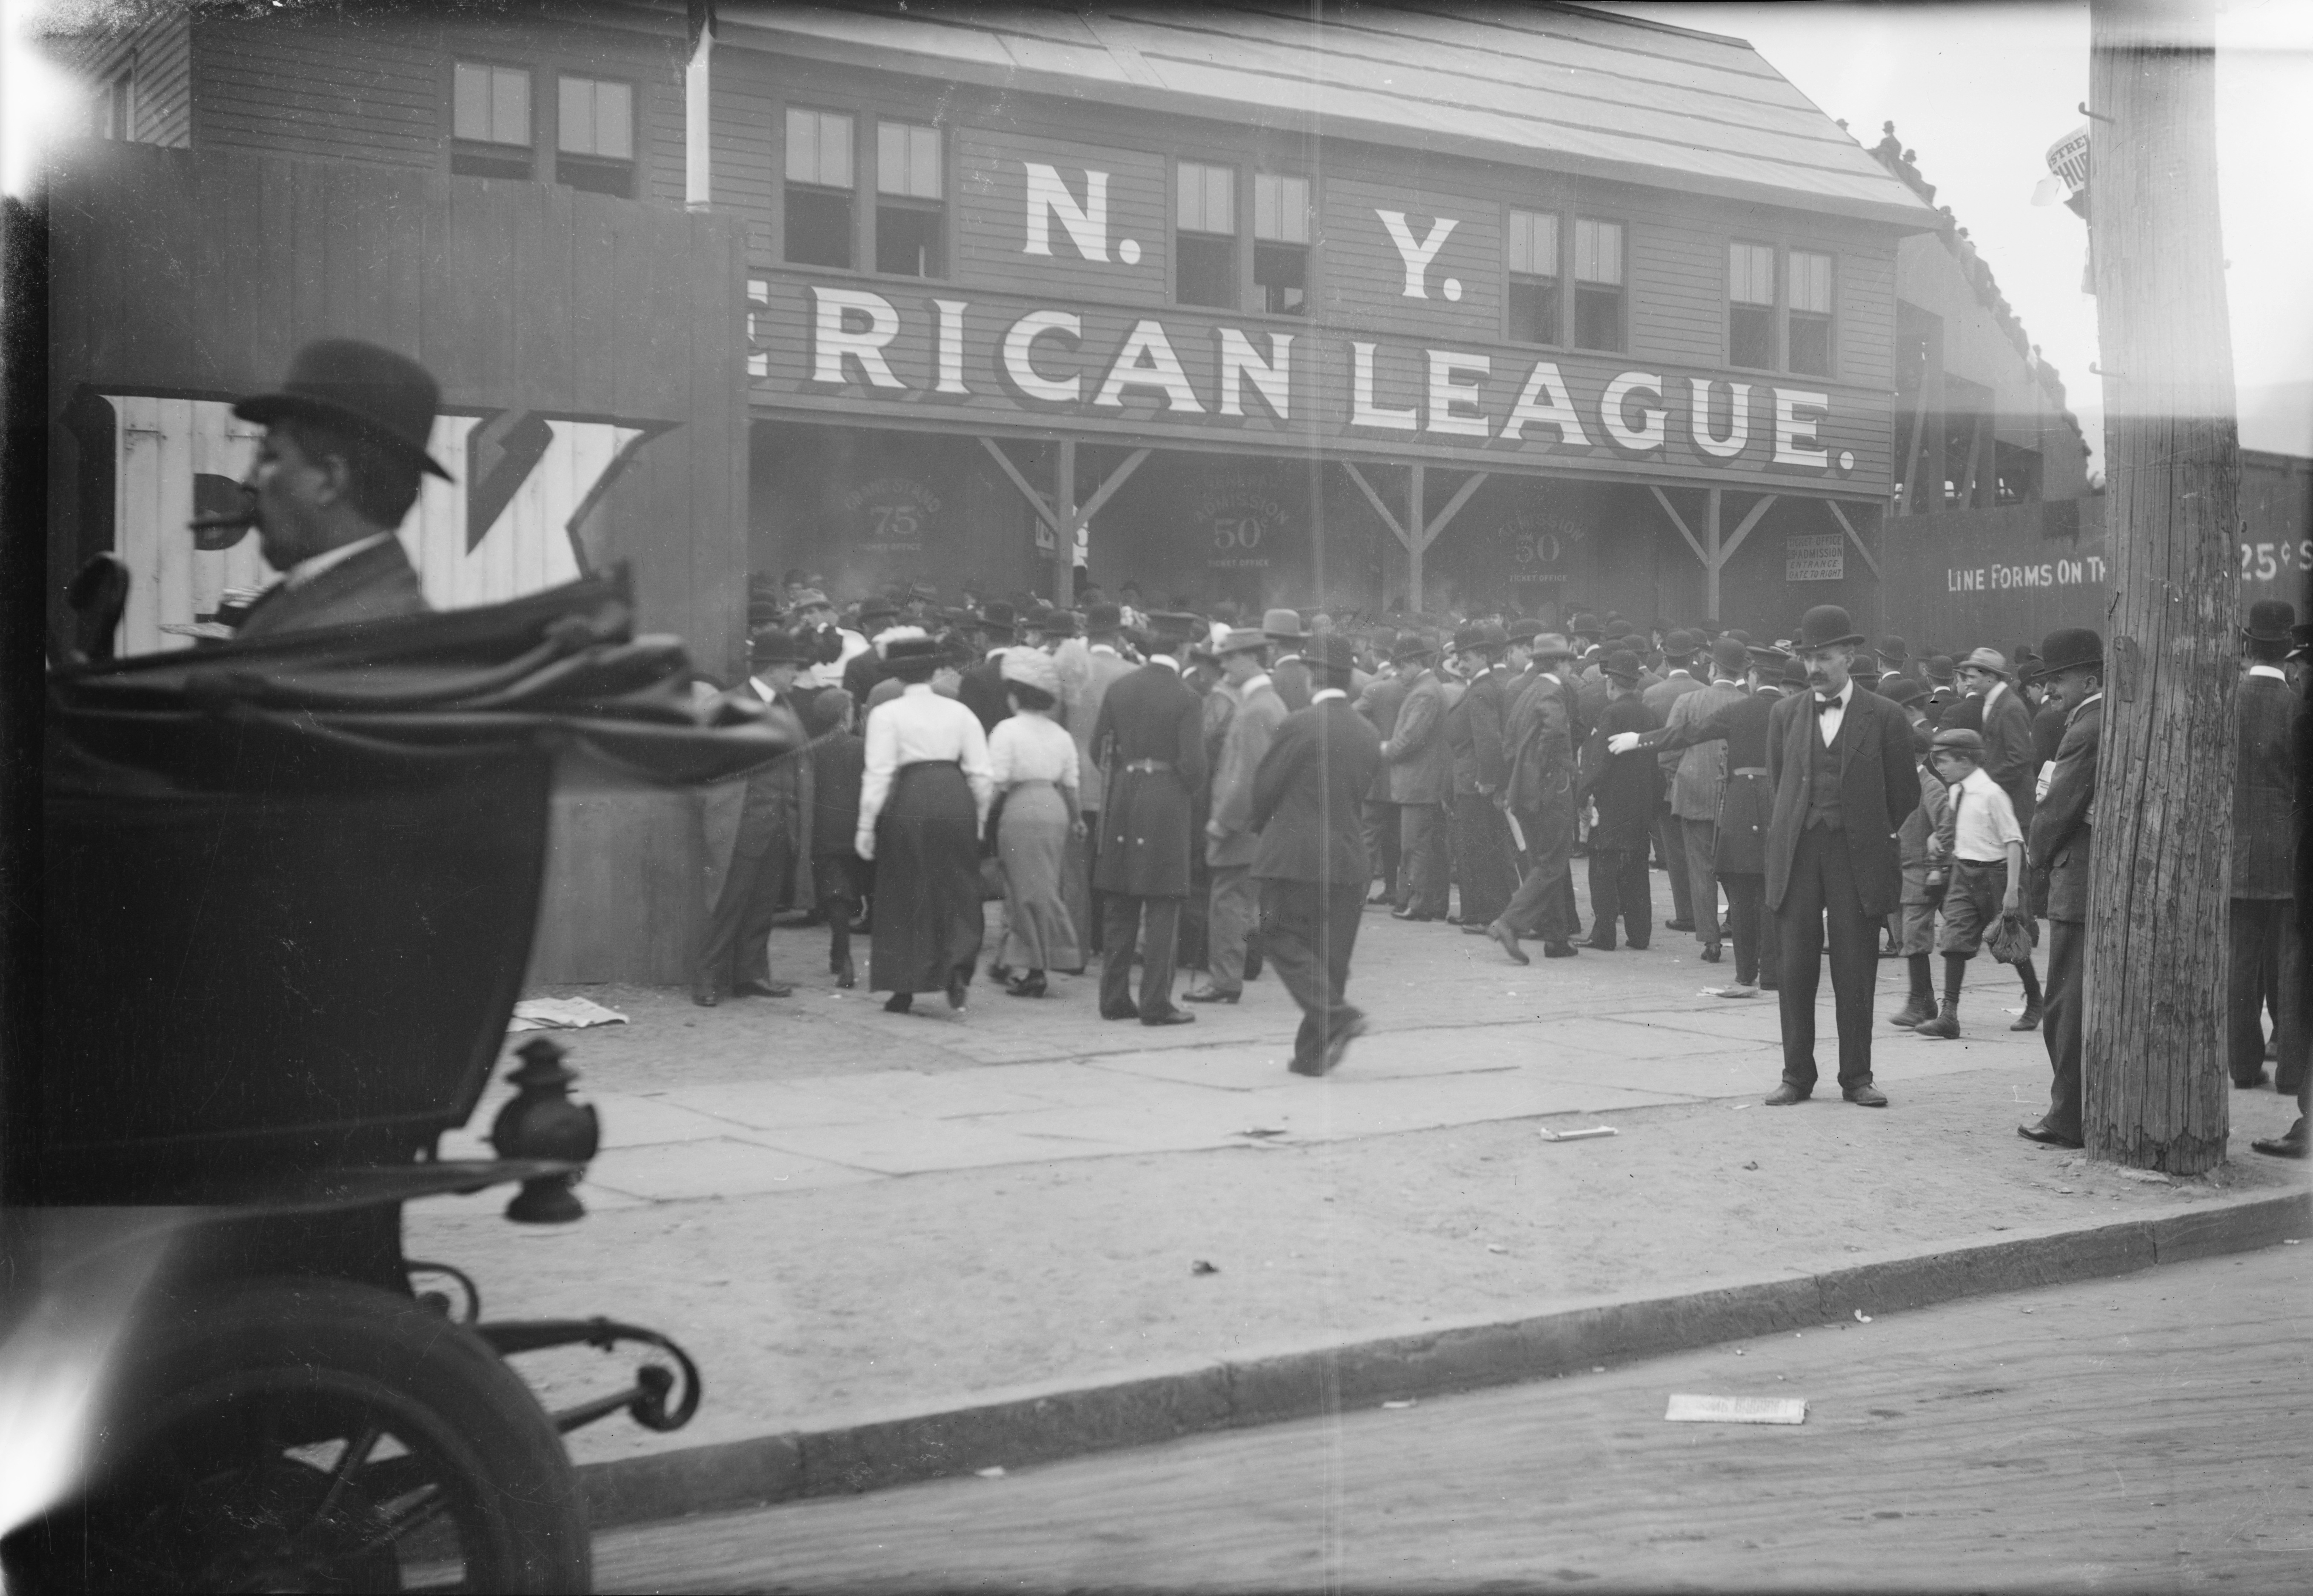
(1669, 836)
(1100, 665)
(758, 835)
(1841, 765)
(1697, 779)
(1627, 788)
(1308, 801)
(2071, 663)
(1379, 703)
(1420, 781)
(1149, 739)
(1474, 741)
(1540, 734)
(333, 476)
(981, 687)
(1289, 671)
(2267, 952)
(1229, 841)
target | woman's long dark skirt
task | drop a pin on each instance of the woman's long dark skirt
(927, 915)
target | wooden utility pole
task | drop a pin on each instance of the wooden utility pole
(2155, 1094)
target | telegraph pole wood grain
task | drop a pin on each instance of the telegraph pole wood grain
(2155, 1088)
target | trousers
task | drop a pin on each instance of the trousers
(1670, 843)
(1235, 906)
(1308, 930)
(1822, 887)
(1543, 904)
(2267, 951)
(737, 944)
(2060, 1024)
(1384, 847)
(1702, 861)
(1757, 957)
(1123, 919)
(1429, 866)
(1481, 858)
(1619, 886)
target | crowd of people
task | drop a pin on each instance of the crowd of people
(1139, 785)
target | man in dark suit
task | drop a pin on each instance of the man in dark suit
(2297, 1141)
(763, 825)
(1149, 739)
(1539, 735)
(1379, 703)
(334, 474)
(1308, 798)
(2071, 663)
(2262, 915)
(1841, 764)
(1474, 741)
(1288, 669)
(1420, 781)
(1627, 788)
(1669, 837)
(866, 670)
(981, 689)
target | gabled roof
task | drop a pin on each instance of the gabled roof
(1558, 86)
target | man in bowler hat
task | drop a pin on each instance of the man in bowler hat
(760, 829)
(1308, 798)
(2268, 954)
(1840, 762)
(334, 474)
(2071, 664)
(1420, 781)
(1150, 740)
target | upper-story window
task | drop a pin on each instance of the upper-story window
(910, 209)
(115, 110)
(1204, 244)
(819, 188)
(489, 120)
(1811, 314)
(595, 136)
(1534, 296)
(1597, 284)
(1751, 304)
(1281, 244)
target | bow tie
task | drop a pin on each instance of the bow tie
(1825, 705)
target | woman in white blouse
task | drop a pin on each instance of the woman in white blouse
(923, 798)
(1035, 761)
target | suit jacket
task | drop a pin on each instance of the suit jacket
(1878, 785)
(1145, 838)
(2061, 834)
(839, 763)
(1308, 797)
(981, 690)
(1081, 709)
(768, 807)
(1699, 769)
(1290, 677)
(1474, 736)
(374, 584)
(1379, 702)
(1538, 733)
(1626, 787)
(2007, 731)
(1259, 714)
(1420, 765)
(2265, 820)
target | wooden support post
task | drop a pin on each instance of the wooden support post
(1714, 561)
(1027, 489)
(1751, 518)
(1853, 537)
(1064, 507)
(2155, 1092)
(1413, 546)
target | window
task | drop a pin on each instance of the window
(1811, 314)
(1281, 244)
(116, 107)
(1534, 298)
(1204, 251)
(819, 188)
(910, 219)
(1597, 284)
(1750, 304)
(594, 138)
(489, 121)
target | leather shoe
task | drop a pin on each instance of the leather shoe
(1784, 1095)
(1508, 941)
(1173, 1017)
(1710, 953)
(1678, 925)
(1559, 951)
(2262, 1079)
(1120, 1013)
(2029, 1020)
(1340, 1042)
(1208, 994)
(1409, 914)
(2293, 1143)
(1596, 946)
(1739, 990)
(847, 977)
(761, 989)
(2038, 1131)
(706, 997)
(1918, 1012)
(1475, 927)
(1866, 1096)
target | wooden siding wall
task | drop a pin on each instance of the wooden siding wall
(201, 272)
(159, 52)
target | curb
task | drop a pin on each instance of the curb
(1043, 1424)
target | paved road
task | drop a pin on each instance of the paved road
(2149, 1432)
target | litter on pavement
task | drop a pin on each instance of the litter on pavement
(1596, 1131)
(1199, 1267)
(1686, 1408)
(561, 1014)
(1408, 1402)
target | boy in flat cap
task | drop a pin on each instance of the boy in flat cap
(1986, 878)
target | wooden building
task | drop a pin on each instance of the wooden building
(1408, 308)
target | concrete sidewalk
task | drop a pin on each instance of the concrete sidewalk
(902, 1245)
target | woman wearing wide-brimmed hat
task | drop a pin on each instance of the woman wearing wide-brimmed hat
(1033, 761)
(923, 799)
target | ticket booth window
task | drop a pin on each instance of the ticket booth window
(1750, 305)
(820, 184)
(1811, 314)
(910, 209)
(489, 120)
(595, 136)
(1204, 244)
(1534, 268)
(1597, 284)
(1281, 244)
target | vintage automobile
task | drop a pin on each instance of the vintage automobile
(288, 898)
